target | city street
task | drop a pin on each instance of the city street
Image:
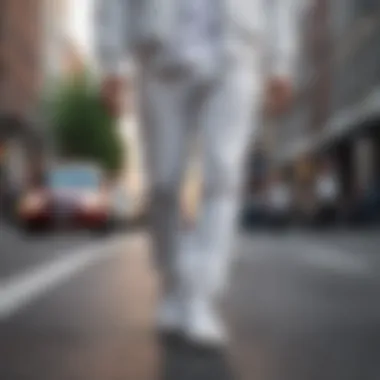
(20, 250)
(113, 112)
(302, 306)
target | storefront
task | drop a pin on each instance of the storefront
(303, 187)
(21, 157)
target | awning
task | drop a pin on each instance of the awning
(343, 124)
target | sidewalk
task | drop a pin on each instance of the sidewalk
(358, 241)
(285, 322)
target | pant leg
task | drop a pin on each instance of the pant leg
(229, 120)
(164, 129)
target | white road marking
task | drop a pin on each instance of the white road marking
(307, 252)
(22, 289)
(334, 259)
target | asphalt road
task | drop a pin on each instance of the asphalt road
(19, 250)
(301, 306)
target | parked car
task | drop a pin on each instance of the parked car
(278, 205)
(9, 196)
(366, 210)
(120, 206)
(254, 213)
(71, 195)
(128, 210)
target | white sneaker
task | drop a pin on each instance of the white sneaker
(171, 314)
(204, 327)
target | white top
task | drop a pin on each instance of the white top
(197, 35)
(327, 188)
(279, 197)
(276, 21)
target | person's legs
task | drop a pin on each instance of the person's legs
(163, 120)
(229, 117)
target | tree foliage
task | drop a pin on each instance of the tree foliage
(82, 127)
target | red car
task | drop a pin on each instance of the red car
(73, 195)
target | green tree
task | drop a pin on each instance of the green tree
(82, 127)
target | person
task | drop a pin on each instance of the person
(279, 199)
(327, 189)
(198, 70)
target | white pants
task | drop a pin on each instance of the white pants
(224, 115)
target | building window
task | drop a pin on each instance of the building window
(366, 7)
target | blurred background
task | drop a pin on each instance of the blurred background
(317, 165)
(71, 165)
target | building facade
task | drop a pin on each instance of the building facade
(335, 114)
(21, 70)
(30, 47)
(21, 47)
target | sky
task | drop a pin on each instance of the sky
(80, 24)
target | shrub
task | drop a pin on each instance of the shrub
(82, 127)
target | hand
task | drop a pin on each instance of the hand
(116, 95)
(279, 95)
(110, 94)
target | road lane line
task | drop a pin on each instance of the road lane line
(309, 253)
(334, 259)
(22, 289)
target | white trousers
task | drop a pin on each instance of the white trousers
(224, 116)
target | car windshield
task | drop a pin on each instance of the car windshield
(74, 178)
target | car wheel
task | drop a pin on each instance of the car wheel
(34, 228)
(104, 228)
(29, 227)
(118, 224)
